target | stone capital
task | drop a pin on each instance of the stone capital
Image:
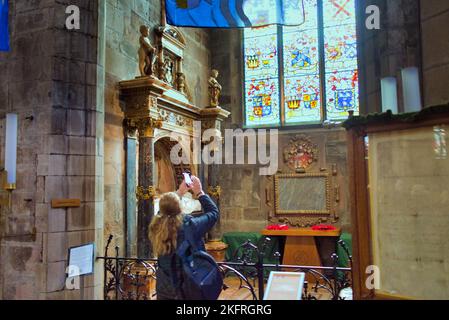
(130, 128)
(146, 126)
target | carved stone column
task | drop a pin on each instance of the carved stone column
(214, 190)
(131, 188)
(145, 188)
(212, 118)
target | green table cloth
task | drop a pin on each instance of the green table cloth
(236, 239)
(343, 259)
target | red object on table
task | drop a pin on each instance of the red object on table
(277, 227)
(323, 227)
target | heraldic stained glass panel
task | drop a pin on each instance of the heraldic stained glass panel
(261, 76)
(293, 56)
(302, 101)
(340, 47)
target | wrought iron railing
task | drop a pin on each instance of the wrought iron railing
(135, 279)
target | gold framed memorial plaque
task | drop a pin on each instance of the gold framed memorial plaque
(302, 194)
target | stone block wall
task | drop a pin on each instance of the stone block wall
(123, 19)
(243, 202)
(435, 59)
(247, 197)
(413, 33)
(384, 52)
(49, 78)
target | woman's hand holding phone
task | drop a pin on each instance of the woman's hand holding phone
(196, 187)
(183, 189)
(187, 179)
(190, 183)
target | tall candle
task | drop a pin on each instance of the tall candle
(11, 148)
(411, 89)
(389, 94)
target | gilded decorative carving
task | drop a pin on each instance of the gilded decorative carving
(139, 103)
(143, 193)
(148, 160)
(214, 191)
(300, 153)
(180, 121)
(163, 114)
(153, 102)
(210, 124)
(304, 218)
(130, 128)
(146, 126)
(175, 119)
(337, 193)
(298, 222)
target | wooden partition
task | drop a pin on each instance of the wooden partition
(399, 176)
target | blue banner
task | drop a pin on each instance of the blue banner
(4, 32)
(233, 13)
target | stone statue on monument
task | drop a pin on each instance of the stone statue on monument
(214, 89)
(147, 53)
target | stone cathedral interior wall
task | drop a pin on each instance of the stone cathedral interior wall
(63, 86)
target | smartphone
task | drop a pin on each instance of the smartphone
(187, 179)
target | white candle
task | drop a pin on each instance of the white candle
(11, 148)
(389, 94)
(411, 89)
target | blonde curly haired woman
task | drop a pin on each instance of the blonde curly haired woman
(166, 233)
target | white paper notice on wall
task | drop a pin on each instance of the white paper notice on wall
(81, 260)
(284, 286)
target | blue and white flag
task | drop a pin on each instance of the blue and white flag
(233, 13)
(4, 32)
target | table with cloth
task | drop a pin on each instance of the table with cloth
(235, 239)
(343, 259)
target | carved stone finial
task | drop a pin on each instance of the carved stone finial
(147, 53)
(181, 82)
(214, 89)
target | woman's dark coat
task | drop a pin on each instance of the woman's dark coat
(169, 266)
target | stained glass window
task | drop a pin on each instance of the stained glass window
(340, 44)
(261, 76)
(302, 103)
(303, 74)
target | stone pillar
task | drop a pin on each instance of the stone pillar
(212, 118)
(214, 191)
(145, 188)
(131, 189)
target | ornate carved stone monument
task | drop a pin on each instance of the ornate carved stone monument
(155, 106)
